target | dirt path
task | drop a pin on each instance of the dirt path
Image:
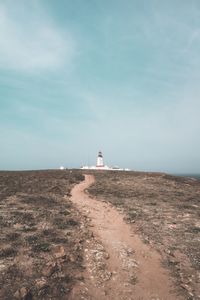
(118, 265)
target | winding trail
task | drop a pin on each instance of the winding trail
(118, 265)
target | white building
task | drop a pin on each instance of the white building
(100, 165)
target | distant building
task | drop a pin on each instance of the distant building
(101, 166)
(100, 163)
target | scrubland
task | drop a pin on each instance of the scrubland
(165, 211)
(43, 234)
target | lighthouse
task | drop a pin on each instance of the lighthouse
(100, 163)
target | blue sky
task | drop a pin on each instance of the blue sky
(118, 76)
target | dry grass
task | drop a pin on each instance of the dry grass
(36, 220)
(165, 211)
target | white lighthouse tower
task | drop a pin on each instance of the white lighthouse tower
(100, 163)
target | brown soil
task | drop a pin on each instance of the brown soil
(118, 264)
(41, 238)
(164, 211)
(130, 235)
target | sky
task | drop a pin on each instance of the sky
(120, 76)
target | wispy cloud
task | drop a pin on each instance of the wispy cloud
(127, 83)
(34, 45)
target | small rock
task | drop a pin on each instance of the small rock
(50, 269)
(106, 276)
(191, 295)
(68, 232)
(106, 255)
(23, 294)
(185, 286)
(2, 266)
(59, 252)
(72, 258)
(40, 283)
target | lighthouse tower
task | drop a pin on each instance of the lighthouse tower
(100, 163)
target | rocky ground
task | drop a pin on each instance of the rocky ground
(48, 244)
(42, 235)
(118, 264)
(165, 211)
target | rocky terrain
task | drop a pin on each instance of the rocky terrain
(118, 264)
(165, 211)
(53, 246)
(42, 235)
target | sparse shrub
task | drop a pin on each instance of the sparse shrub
(48, 232)
(65, 212)
(186, 206)
(29, 228)
(10, 251)
(63, 224)
(22, 217)
(3, 222)
(41, 246)
(58, 240)
(39, 200)
(152, 203)
(72, 222)
(194, 229)
(32, 239)
(12, 236)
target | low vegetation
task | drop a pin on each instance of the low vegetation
(42, 233)
(164, 210)
(41, 239)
